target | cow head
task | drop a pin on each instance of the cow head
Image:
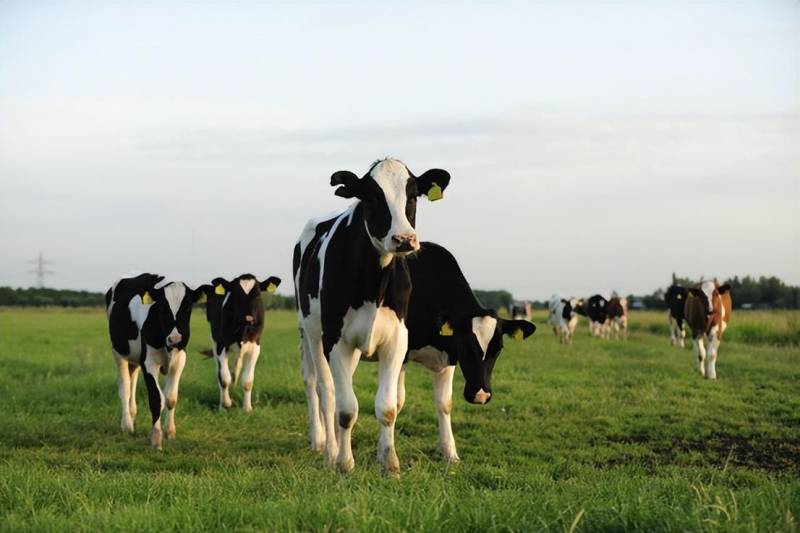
(388, 193)
(243, 295)
(709, 294)
(569, 309)
(580, 306)
(478, 341)
(173, 305)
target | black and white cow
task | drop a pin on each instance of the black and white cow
(597, 311)
(352, 286)
(676, 300)
(235, 312)
(148, 322)
(563, 318)
(617, 316)
(448, 326)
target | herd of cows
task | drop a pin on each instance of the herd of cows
(353, 274)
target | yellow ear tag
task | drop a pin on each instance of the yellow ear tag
(271, 288)
(203, 299)
(518, 335)
(219, 289)
(147, 299)
(435, 192)
(446, 330)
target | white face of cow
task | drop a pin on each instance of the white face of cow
(394, 180)
(708, 288)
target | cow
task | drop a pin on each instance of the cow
(148, 323)
(563, 318)
(618, 316)
(708, 310)
(597, 311)
(521, 311)
(448, 326)
(676, 301)
(235, 312)
(352, 286)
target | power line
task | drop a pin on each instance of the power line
(40, 269)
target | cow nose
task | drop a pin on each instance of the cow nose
(482, 396)
(174, 339)
(405, 242)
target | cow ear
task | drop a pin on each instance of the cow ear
(220, 286)
(349, 184)
(696, 292)
(722, 289)
(433, 183)
(152, 295)
(201, 293)
(270, 284)
(517, 329)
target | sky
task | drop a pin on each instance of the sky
(593, 146)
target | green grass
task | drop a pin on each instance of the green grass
(597, 436)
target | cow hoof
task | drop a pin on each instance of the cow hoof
(171, 434)
(156, 439)
(127, 426)
(452, 459)
(346, 466)
(390, 462)
(247, 408)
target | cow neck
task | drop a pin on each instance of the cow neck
(388, 286)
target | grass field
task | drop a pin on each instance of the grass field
(597, 436)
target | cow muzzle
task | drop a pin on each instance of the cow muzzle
(482, 397)
(174, 339)
(405, 243)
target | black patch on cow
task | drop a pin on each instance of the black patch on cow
(566, 313)
(615, 308)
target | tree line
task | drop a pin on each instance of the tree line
(764, 292)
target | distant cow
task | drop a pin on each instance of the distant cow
(597, 311)
(448, 326)
(148, 322)
(676, 301)
(563, 318)
(521, 311)
(618, 317)
(708, 310)
(235, 313)
(353, 286)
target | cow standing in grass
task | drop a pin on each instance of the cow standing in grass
(563, 318)
(352, 286)
(235, 312)
(148, 322)
(447, 326)
(708, 310)
(618, 317)
(676, 301)
(597, 311)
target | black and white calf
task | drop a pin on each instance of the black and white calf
(676, 300)
(352, 286)
(448, 326)
(148, 322)
(563, 318)
(235, 312)
(597, 311)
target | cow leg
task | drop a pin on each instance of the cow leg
(251, 351)
(343, 362)
(223, 379)
(134, 373)
(682, 331)
(391, 356)
(155, 398)
(711, 361)
(401, 389)
(327, 400)
(443, 395)
(316, 431)
(124, 389)
(673, 338)
(700, 351)
(174, 371)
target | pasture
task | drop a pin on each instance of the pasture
(600, 435)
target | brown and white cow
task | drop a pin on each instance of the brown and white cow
(708, 310)
(618, 317)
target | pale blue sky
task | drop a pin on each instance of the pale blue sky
(593, 146)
